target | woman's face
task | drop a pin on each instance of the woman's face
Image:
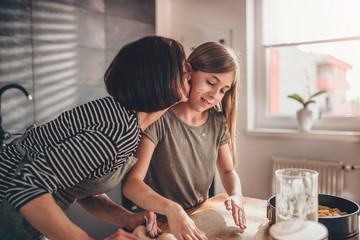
(208, 89)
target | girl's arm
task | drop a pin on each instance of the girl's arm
(142, 195)
(232, 185)
(48, 218)
(102, 207)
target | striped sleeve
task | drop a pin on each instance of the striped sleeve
(34, 179)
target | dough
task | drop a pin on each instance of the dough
(140, 232)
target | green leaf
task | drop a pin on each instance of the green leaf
(308, 102)
(317, 93)
(297, 98)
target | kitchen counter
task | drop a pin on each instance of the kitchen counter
(212, 218)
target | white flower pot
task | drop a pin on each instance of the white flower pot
(304, 119)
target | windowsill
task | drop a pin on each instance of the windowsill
(313, 135)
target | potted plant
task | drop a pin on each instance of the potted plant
(304, 115)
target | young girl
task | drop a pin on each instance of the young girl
(187, 144)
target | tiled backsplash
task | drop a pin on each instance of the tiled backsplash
(59, 50)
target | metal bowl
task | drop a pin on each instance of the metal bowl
(340, 227)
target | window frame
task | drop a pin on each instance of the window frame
(258, 89)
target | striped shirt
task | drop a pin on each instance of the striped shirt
(86, 142)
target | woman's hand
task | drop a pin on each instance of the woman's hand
(147, 218)
(235, 204)
(182, 226)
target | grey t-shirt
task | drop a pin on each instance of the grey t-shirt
(184, 161)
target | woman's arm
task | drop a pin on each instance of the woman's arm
(102, 207)
(47, 217)
(232, 185)
(141, 194)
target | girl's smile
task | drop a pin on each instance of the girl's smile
(206, 103)
(208, 89)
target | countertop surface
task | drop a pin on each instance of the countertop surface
(216, 222)
(212, 218)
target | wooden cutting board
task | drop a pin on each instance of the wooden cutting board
(216, 222)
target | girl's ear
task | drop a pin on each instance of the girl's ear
(188, 70)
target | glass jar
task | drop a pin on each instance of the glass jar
(296, 195)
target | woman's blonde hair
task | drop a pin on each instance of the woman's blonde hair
(212, 57)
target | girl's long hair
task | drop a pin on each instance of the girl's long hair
(212, 57)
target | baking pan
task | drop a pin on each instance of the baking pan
(340, 227)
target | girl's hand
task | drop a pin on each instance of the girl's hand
(147, 218)
(235, 204)
(182, 226)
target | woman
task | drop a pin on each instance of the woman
(85, 152)
(186, 145)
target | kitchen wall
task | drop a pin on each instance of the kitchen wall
(59, 50)
(193, 22)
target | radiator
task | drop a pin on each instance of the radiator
(331, 173)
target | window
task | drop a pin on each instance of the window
(303, 46)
